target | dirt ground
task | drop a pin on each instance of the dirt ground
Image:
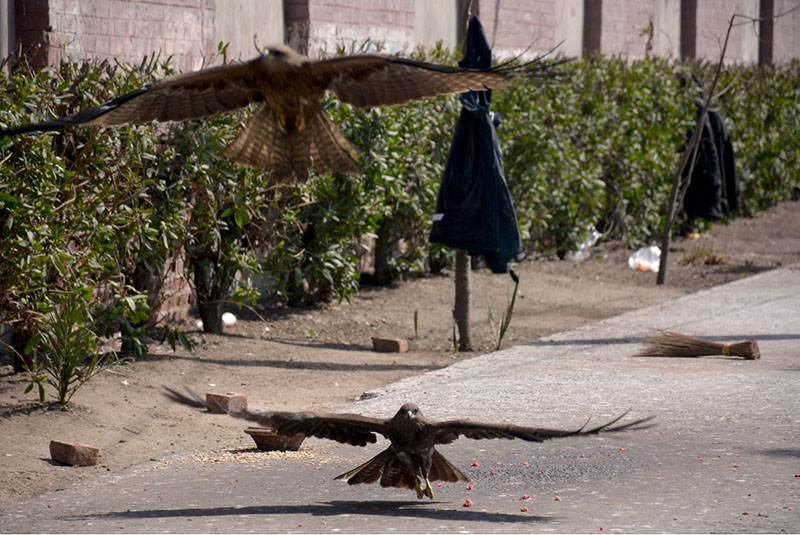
(321, 359)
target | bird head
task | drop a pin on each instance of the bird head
(409, 411)
(284, 54)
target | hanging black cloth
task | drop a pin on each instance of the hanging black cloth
(713, 192)
(474, 211)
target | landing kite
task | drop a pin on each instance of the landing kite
(412, 456)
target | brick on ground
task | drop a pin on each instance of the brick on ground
(390, 345)
(74, 454)
(231, 401)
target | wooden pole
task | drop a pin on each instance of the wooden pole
(462, 298)
(461, 310)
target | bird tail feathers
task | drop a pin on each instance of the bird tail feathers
(262, 144)
(370, 471)
(443, 470)
(391, 472)
(384, 466)
(286, 153)
(330, 149)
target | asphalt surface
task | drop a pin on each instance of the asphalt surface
(724, 456)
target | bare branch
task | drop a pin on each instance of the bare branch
(749, 20)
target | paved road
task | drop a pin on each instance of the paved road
(725, 456)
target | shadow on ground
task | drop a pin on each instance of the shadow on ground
(409, 509)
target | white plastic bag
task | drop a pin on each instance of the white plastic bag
(645, 259)
(588, 240)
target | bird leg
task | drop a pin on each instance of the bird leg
(280, 117)
(428, 491)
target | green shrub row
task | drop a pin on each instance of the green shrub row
(106, 209)
(601, 148)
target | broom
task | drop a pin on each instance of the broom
(669, 344)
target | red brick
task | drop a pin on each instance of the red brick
(74, 454)
(390, 345)
(230, 401)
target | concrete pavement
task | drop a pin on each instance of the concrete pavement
(724, 457)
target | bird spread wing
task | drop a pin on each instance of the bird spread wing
(448, 431)
(175, 98)
(377, 80)
(374, 79)
(352, 429)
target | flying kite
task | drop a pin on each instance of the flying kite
(411, 457)
(290, 127)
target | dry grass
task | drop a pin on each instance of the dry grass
(704, 256)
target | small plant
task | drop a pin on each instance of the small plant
(416, 323)
(67, 350)
(704, 256)
(505, 321)
(310, 333)
(490, 319)
(456, 337)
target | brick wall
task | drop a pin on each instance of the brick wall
(624, 27)
(130, 29)
(786, 32)
(245, 24)
(350, 22)
(126, 30)
(512, 25)
(713, 17)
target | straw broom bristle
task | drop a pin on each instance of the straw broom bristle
(670, 344)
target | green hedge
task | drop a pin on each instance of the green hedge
(103, 208)
(596, 150)
(762, 111)
(73, 206)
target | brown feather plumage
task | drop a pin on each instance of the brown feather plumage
(444, 470)
(291, 129)
(412, 456)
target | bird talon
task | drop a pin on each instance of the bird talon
(301, 123)
(420, 492)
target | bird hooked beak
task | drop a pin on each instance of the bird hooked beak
(411, 414)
